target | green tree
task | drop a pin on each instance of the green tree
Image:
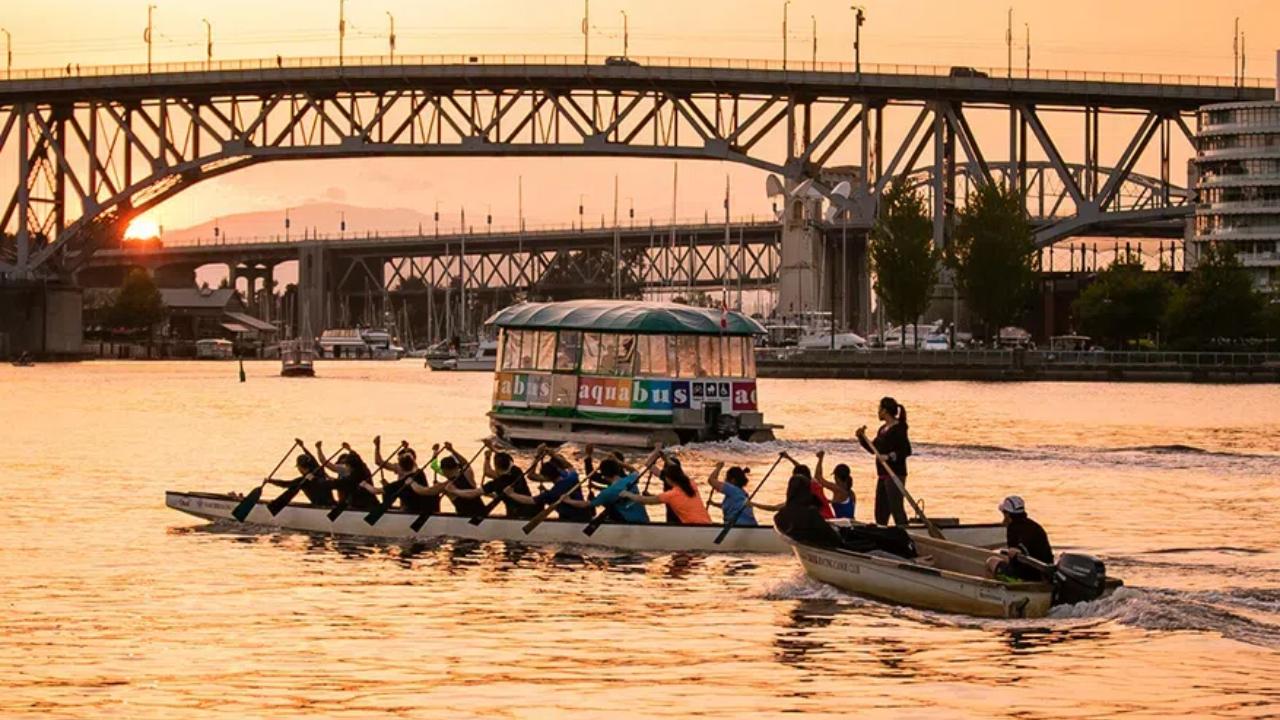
(1217, 305)
(1124, 303)
(903, 256)
(138, 305)
(993, 254)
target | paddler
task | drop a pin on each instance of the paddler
(620, 479)
(315, 485)
(460, 483)
(736, 503)
(564, 482)
(420, 496)
(354, 484)
(502, 473)
(894, 445)
(816, 486)
(680, 496)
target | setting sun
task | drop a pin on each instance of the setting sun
(142, 229)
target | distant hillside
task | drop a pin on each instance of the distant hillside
(324, 218)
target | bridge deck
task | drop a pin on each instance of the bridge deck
(693, 75)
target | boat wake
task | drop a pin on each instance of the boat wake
(1247, 615)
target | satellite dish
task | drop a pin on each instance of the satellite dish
(831, 213)
(843, 189)
(804, 188)
(773, 186)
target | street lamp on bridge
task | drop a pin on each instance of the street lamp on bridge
(626, 34)
(147, 35)
(785, 5)
(8, 52)
(391, 38)
(342, 29)
(859, 17)
(208, 43)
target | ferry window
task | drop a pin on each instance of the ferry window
(607, 361)
(511, 350)
(590, 352)
(653, 355)
(569, 350)
(624, 362)
(733, 357)
(709, 354)
(546, 350)
(749, 354)
(687, 353)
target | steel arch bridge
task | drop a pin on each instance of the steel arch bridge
(81, 155)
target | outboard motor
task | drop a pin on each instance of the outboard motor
(1078, 578)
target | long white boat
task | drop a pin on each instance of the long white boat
(395, 525)
(946, 576)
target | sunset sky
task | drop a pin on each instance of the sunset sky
(1168, 36)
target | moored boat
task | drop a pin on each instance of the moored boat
(395, 525)
(297, 358)
(947, 577)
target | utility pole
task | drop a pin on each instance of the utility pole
(8, 46)
(147, 35)
(859, 17)
(724, 270)
(814, 31)
(785, 5)
(1028, 50)
(391, 38)
(626, 34)
(586, 32)
(286, 224)
(342, 30)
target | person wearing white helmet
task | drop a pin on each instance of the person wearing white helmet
(1023, 536)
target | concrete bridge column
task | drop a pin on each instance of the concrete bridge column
(801, 252)
(314, 296)
(268, 282)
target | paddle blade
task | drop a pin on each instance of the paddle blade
(724, 533)
(421, 520)
(596, 522)
(241, 512)
(279, 502)
(493, 504)
(336, 511)
(376, 514)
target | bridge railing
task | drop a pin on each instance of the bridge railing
(73, 70)
(531, 230)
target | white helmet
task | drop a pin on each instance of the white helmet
(1013, 505)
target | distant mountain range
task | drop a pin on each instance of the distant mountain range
(323, 218)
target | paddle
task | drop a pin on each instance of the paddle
(279, 502)
(501, 494)
(732, 522)
(389, 499)
(422, 519)
(934, 532)
(246, 505)
(603, 515)
(546, 511)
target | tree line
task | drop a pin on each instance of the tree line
(995, 264)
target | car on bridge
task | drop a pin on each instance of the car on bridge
(967, 72)
(619, 61)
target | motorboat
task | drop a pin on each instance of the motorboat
(949, 576)
(483, 356)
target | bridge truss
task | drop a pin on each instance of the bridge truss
(80, 157)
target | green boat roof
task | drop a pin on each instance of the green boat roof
(624, 316)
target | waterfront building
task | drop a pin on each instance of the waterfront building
(1237, 181)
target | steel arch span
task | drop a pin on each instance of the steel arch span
(81, 156)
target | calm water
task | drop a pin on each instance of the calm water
(115, 607)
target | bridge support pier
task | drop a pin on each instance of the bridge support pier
(313, 290)
(800, 258)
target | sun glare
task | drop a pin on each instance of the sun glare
(142, 229)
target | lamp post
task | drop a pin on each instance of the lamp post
(586, 34)
(342, 30)
(1028, 50)
(147, 35)
(208, 43)
(626, 34)
(391, 38)
(785, 5)
(8, 52)
(859, 17)
(814, 60)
